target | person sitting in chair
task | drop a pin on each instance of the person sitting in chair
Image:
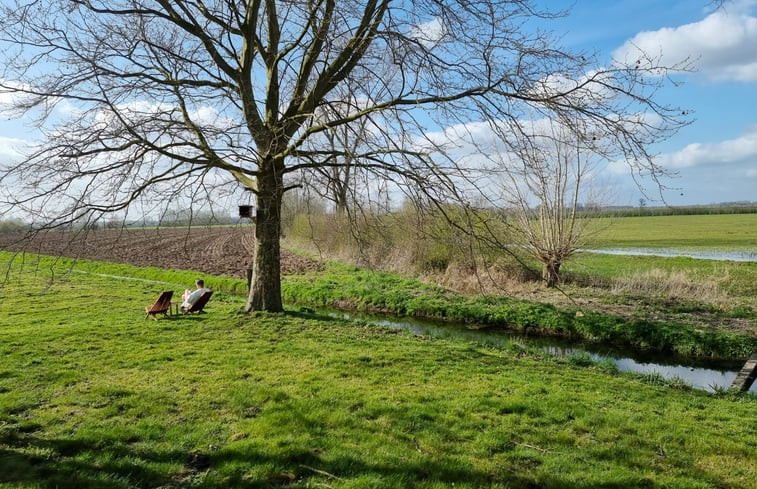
(190, 296)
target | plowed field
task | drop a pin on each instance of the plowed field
(216, 251)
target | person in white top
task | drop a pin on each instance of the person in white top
(190, 296)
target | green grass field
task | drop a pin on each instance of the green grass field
(94, 396)
(736, 279)
(712, 232)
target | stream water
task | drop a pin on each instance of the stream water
(703, 374)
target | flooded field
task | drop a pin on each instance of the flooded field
(742, 256)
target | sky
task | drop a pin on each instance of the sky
(715, 157)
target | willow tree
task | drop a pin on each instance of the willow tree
(542, 186)
(151, 100)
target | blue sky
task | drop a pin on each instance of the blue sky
(716, 156)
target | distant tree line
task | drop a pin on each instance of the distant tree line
(691, 210)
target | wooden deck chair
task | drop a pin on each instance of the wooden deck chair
(199, 304)
(161, 306)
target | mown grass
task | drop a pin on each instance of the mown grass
(93, 396)
(713, 232)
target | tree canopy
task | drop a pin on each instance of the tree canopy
(142, 103)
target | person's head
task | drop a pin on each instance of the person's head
(200, 283)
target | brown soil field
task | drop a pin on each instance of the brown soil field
(212, 250)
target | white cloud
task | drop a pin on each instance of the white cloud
(10, 149)
(430, 33)
(592, 86)
(143, 111)
(722, 45)
(739, 154)
(12, 94)
(619, 167)
(741, 150)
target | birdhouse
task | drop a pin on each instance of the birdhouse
(247, 211)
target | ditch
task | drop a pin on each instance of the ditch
(704, 374)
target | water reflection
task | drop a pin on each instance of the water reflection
(703, 374)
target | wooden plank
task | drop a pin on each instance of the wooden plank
(747, 375)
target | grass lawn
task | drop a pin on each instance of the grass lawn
(712, 232)
(93, 396)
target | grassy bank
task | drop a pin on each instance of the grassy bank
(709, 281)
(353, 288)
(93, 396)
(713, 296)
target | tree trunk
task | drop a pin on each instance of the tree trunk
(551, 273)
(341, 187)
(341, 203)
(265, 292)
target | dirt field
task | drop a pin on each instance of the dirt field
(216, 251)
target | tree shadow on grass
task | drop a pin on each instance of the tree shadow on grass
(307, 469)
(73, 463)
(29, 461)
(308, 313)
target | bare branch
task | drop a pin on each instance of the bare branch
(136, 100)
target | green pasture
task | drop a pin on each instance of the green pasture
(736, 279)
(94, 396)
(712, 232)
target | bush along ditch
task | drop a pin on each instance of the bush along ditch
(346, 287)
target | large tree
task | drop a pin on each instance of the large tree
(141, 102)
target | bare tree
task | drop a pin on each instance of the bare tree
(342, 143)
(146, 102)
(542, 186)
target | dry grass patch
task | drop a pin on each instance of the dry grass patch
(497, 279)
(673, 285)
